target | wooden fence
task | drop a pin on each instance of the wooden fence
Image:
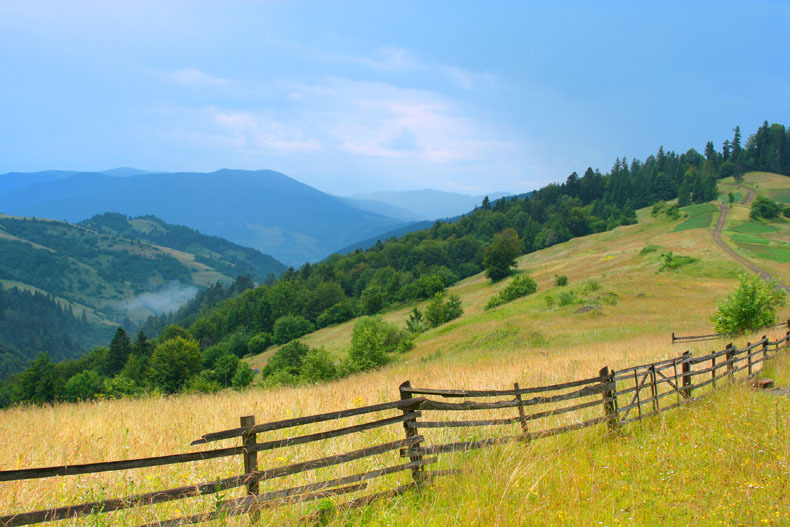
(716, 336)
(520, 414)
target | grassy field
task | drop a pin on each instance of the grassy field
(699, 216)
(766, 243)
(722, 461)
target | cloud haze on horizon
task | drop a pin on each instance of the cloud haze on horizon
(356, 97)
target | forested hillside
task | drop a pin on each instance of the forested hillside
(226, 257)
(64, 288)
(402, 271)
(35, 322)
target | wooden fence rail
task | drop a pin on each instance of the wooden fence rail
(625, 396)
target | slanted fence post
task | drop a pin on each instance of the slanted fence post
(730, 358)
(654, 387)
(250, 460)
(522, 418)
(608, 388)
(765, 346)
(415, 456)
(686, 374)
(749, 360)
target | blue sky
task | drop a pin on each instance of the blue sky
(363, 96)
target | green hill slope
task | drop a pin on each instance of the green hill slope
(66, 286)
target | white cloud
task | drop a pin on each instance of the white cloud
(390, 60)
(361, 129)
(195, 77)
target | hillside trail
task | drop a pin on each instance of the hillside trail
(749, 197)
(765, 275)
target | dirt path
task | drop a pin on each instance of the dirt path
(765, 275)
(749, 197)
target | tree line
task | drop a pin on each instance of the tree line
(420, 265)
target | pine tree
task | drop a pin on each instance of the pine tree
(120, 349)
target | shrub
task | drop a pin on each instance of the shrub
(649, 248)
(288, 359)
(120, 386)
(84, 385)
(371, 339)
(440, 311)
(243, 376)
(520, 286)
(416, 322)
(225, 368)
(567, 298)
(561, 280)
(752, 304)
(591, 286)
(258, 343)
(763, 207)
(318, 366)
(336, 314)
(672, 261)
(289, 327)
(203, 383)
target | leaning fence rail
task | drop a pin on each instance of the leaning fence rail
(716, 336)
(427, 415)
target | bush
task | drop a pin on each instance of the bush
(649, 248)
(203, 383)
(561, 280)
(672, 261)
(336, 314)
(440, 311)
(753, 304)
(372, 339)
(763, 207)
(288, 359)
(225, 368)
(318, 366)
(84, 385)
(416, 322)
(521, 286)
(258, 343)
(567, 298)
(289, 327)
(243, 376)
(120, 386)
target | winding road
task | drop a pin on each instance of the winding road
(765, 275)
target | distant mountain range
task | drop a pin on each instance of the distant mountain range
(262, 209)
(426, 204)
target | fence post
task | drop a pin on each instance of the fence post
(654, 387)
(609, 390)
(749, 361)
(730, 366)
(765, 347)
(713, 371)
(686, 373)
(521, 416)
(673, 337)
(416, 456)
(250, 460)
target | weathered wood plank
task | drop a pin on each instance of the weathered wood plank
(501, 393)
(308, 419)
